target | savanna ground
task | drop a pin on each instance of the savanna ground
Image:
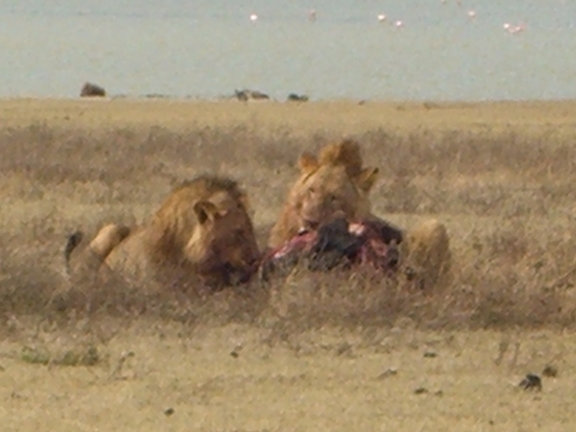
(306, 352)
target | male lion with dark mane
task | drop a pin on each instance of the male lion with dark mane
(202, 232)
(328, 210)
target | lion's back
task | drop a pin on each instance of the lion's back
(131, 258)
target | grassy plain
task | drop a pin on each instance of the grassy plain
(307, 353)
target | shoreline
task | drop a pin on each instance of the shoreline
(231, 97)
(334, 117)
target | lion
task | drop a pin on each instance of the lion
(202, 231)
(337, 183)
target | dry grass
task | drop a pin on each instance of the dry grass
(500, 175)
(505, 192)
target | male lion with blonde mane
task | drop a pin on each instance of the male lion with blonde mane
(201, 232)
(334, 188)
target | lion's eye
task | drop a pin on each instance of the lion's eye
(333, 198)
(312, 190)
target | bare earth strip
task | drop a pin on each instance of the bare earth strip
(326, 355)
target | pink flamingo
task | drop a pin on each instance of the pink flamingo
(513, 29)
(312, 15)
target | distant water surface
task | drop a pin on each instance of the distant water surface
(207, 48)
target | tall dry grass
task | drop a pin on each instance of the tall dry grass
(505, 193)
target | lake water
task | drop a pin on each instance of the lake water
(207, 48)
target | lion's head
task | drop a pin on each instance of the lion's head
(332, 184)
(223, 243)
(205, 222)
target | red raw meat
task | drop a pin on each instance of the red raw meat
(366, 242)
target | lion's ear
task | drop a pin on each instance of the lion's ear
(307, 162)
(245, 201)
(206, 211)
(367, 178)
